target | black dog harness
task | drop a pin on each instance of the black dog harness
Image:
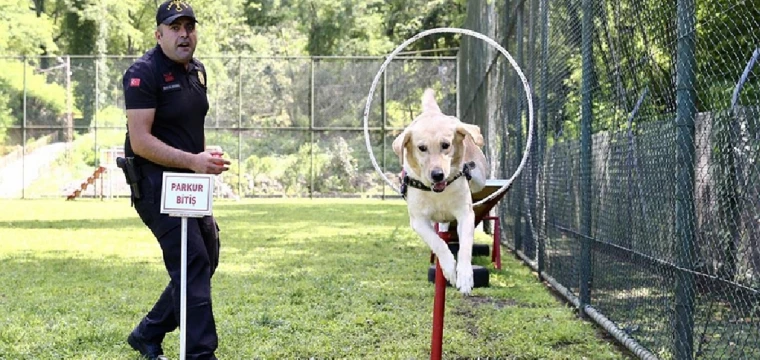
(407, 181)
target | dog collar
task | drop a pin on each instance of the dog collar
(407, 181)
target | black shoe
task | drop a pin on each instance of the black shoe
(148, 350)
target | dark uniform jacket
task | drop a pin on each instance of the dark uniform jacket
(177, 94)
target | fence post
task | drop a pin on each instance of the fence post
(23, 137)
(94, 125)
(311, 130)
(502, 126)
(518, 195)
(684, 199)
(240, 127)
(384, 117)
(544, 127)
(586, 158)
(69, 111)
(530, 223)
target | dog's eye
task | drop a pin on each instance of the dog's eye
(445, 145)
(422, 148)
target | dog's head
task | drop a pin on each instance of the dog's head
(433, 145)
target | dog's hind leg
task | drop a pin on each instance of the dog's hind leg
(426, 231)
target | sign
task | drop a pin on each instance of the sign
(187, 195)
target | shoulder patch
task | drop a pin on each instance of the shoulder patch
(134, 82)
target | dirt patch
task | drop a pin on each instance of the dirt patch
(485, 300)
(466, 313)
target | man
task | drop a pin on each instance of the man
(166, 102)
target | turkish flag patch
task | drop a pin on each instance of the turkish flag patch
(134, 82)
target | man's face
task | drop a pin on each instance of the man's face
(178, 39)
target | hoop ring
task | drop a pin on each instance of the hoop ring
(523, 79)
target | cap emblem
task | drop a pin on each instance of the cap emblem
(177, 4)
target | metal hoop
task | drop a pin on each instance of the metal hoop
(491, 42)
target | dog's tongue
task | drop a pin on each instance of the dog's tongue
(438, 187)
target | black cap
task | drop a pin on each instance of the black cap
(172, 10)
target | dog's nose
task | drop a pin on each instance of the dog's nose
(437, 175)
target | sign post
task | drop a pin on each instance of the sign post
(186, 195)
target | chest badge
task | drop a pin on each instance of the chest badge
(201, 78)
(168, 77)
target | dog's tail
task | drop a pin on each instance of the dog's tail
(428, 101)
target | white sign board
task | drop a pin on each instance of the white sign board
(187, 195)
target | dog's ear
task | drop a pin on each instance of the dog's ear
(400, 142)
(404, 141)
(473, 131)
(428, 102)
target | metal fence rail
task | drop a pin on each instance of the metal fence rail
(292, 126)
(641, 199)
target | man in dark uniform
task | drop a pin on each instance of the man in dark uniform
(166, 102)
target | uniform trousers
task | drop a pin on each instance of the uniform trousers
(202, 259)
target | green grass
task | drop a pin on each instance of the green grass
(297, 279)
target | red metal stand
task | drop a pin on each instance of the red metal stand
(481, 213)
(436, 346)
(496, 253)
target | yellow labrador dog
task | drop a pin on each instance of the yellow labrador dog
(443, 165)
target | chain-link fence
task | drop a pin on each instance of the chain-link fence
(640, 201)
(291, 126)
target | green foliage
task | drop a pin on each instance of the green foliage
(85, 151)
(46, 102)
(341, 168)
(22, 32)
(242, 27)
(6, 116)
(298, 169)
(404, 19)
(112, 116)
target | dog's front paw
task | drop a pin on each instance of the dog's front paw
(449, 268)
(465, 280)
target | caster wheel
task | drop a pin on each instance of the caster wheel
(480, 276)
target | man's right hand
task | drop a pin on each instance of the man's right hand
(210, 162)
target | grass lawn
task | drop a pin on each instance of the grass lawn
(297, 279)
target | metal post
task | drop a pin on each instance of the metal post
(23, 139)
(684, 199)
(544, 127)
(518, 193)
(531, 217)
(183, 292)
(504, 127)
(311, 130)
(95, 128)
(240, 125)
(586, 157)
(383, 93)
(69, 112)
(439, 305)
